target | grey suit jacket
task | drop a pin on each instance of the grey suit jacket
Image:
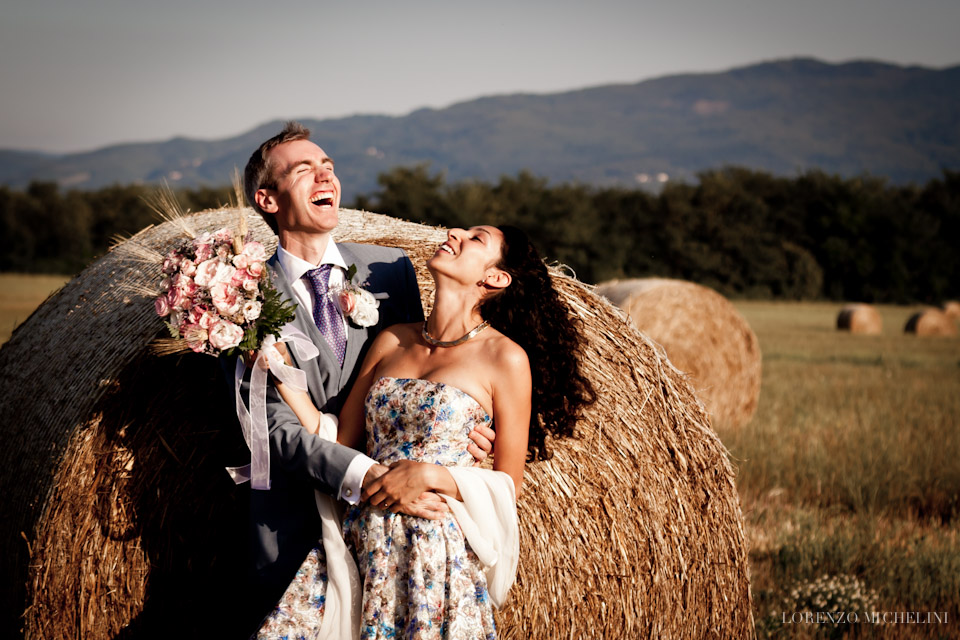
(285, 521)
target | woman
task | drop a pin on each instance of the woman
(499, 346)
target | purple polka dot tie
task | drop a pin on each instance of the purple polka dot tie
(326, 311)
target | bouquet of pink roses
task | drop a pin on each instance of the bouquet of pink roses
(217, 295)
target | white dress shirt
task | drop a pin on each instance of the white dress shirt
(295, 270)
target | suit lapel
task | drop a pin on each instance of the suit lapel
(356, 336)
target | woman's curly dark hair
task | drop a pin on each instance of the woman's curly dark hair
(530, 313)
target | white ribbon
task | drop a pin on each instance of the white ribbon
(253, 423)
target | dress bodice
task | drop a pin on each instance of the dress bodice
(410, 418)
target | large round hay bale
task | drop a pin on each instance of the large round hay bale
(119, 520)
(703, 335)
(860, 318)
(952, 309)
(931, 323)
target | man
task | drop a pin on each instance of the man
(291, 182)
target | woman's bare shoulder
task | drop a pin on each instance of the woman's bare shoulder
(402, 334)
(507, 354)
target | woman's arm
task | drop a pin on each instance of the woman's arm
(512, 393)
(352, 417)
(302, 406)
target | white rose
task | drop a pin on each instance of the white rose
(365, 314)
(225, 335)
(255, 251)
(251, 310)
(224, 273)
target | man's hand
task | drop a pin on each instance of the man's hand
(482, 444)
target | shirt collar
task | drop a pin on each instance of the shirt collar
(295, 268)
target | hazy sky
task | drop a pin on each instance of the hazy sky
(81, 74)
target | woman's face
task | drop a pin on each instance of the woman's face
(468, 254)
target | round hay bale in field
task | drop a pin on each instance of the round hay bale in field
(703, 335)
(952, 309)
(931, 323)
(119, 520)
(860, 318)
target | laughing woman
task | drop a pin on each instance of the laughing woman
(499, 348)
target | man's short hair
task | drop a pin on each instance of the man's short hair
(259, 173)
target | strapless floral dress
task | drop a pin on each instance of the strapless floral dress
(420, 578)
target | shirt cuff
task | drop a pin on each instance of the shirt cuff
(353, 479)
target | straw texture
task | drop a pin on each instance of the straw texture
(952, 309)
(113, 472)
(860, 318)
(703, 335)
(931, 323)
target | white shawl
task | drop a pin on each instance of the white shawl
(488, 517)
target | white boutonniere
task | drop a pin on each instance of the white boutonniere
(356, 303)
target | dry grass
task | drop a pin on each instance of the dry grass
(20, 294)
(851, 465)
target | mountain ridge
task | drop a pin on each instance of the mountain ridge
(781, 116)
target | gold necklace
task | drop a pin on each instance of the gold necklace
(452, 343)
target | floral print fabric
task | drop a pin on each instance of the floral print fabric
(420, 578)
(298, 614)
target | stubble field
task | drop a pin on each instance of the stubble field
(849, 472)
(850, 469)
(20, 294)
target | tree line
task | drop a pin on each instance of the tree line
(743, 232)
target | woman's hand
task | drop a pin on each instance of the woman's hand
(400, 488)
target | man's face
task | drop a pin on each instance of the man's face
(307, 197)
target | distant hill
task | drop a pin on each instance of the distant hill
(782, 117)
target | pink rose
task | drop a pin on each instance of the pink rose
(178, 300)
(204, 252)
(207, 320)
(223, 235)
(188, 267)
(238, 277)
(241, 261)
(225, 335)
(162, 305)
(195, 314)
(225, 299)
(255, 269)
(251, 285)
(186, 285)
(347, 302)
(170, 263)
(206, 272)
